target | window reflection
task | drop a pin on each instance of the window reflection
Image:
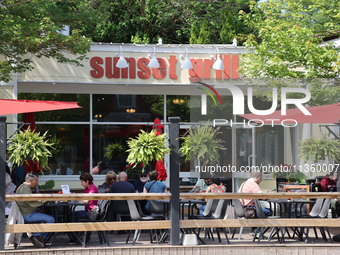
(103, 135)
(72, 148)
(127, 108)
(79, 114)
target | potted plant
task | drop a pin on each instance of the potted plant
(289, 173)
(316, 149)
(29, 145)
(202, 144)
(146, 147)
(115, 149)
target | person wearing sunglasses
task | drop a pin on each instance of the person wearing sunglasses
(139, 184)
(110, 179)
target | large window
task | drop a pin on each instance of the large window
(126, 108)
(72, 148)
(103, 135)
(78, 114)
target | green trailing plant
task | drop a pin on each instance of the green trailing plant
(147, 147)
(56, 148)
(115, 149)
(202, 144)
(315, 149)
(29, 145)
(48, 185)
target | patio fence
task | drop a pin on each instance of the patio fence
(166, 224)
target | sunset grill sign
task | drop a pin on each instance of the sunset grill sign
(169, 68)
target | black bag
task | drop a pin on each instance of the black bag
(249, 212)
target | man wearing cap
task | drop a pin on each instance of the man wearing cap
(139, 184)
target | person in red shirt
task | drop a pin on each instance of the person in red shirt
(329, 184)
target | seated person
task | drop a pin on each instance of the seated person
(139, 184)
(252, 186)
(86, 180)
(110, 179)
(63, 169)
(153, 186)
(10, 188)
(216, 187)
(202, 184)
(99, 168)
(122, 186)
(329, 184)
(28, 209)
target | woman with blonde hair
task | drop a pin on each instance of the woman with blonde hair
(110, 179)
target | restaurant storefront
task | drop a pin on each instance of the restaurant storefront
(118, 102)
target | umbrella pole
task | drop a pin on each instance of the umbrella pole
(3, 135)
(174, 179)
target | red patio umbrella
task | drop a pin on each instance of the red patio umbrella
(162, 175)
(12, 106)
(319, 114)
(30, 120)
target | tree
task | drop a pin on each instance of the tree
(288, 46)
(194, 35)
(172, 20)
(32, 28)
(228, 32)
(204, 36)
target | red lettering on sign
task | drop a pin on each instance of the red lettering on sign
(98, 71)
(172, 71)
(208, 63)
(196, 72)
(145, 72)
(231, 63)
(132, 67)
(226, 67)
(160, 73)
(234, 67)
(115, 73)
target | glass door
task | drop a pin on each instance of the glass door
(244, 157)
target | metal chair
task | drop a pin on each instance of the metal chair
(120, 209)
(322, 214)
(261, 215)
(136, 216)
(207, 214)
(218, 215)
(104, 206)
(240, 214)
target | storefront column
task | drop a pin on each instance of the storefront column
(174, 179)
(3, 135)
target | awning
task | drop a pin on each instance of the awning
(319, 114)
(12, 106)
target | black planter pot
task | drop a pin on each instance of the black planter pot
(278, 181)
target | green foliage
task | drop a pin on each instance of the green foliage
(146, 147)
(315, 149)
(115, 149)
(194, 35)
(202, 144)
(290, 33)
(30, 28)
(146, 21)
(228, 32)
(133, 170)
(288, 46)
(29, 144)
(57, 149)
(48, 185)
(204, 35)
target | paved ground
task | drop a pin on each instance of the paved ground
(119, 240)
